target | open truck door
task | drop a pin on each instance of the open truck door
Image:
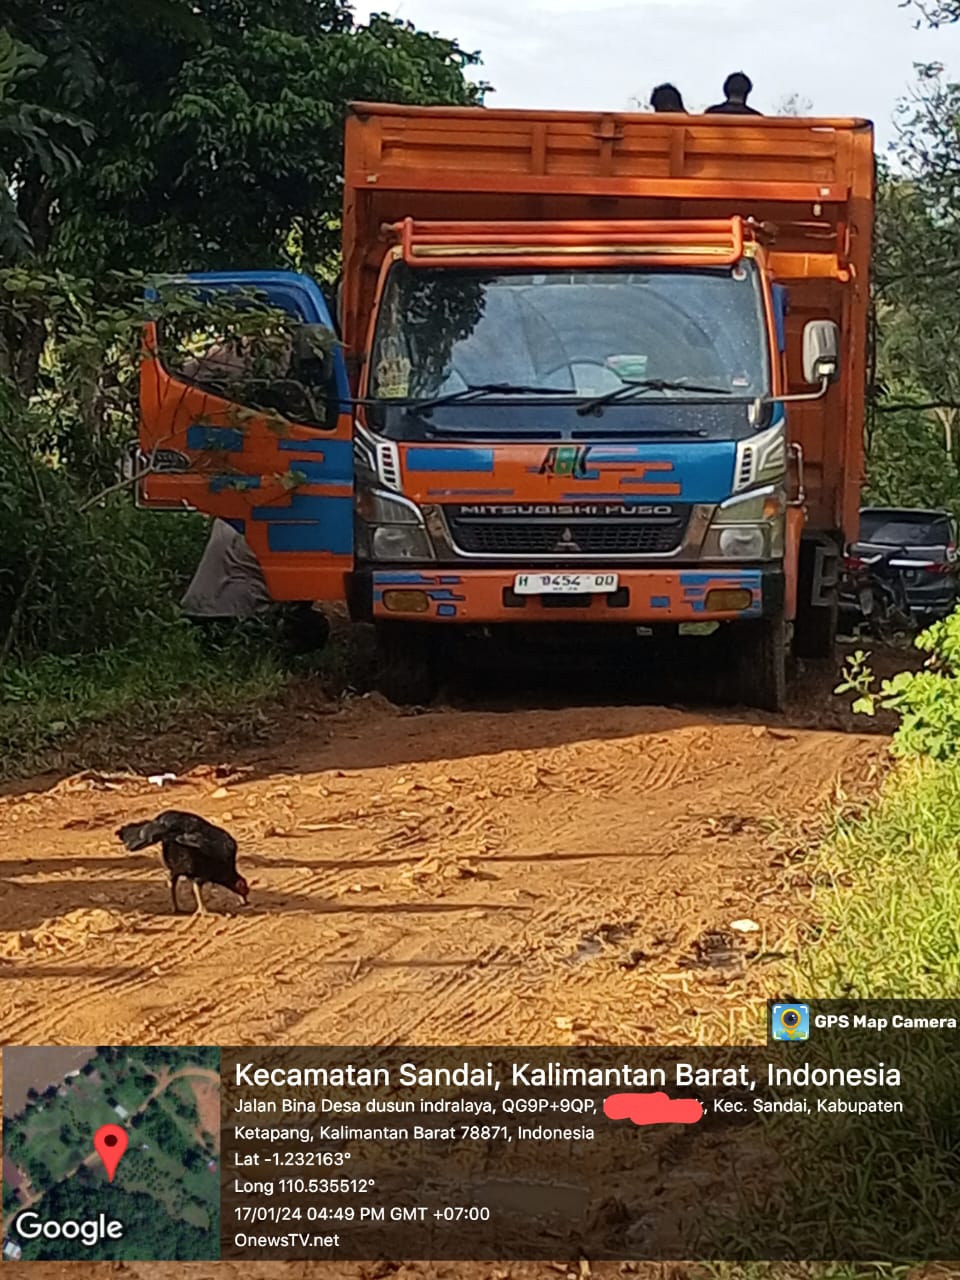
(271, 454)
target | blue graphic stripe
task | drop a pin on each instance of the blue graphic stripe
(701, 471)
(660, 602)
(309, 537)
(701, 578)
(696, 585)
(219, 483)
(319, 473)
(302, 506)
(333, 533)
(449, 460)
(336, 462)
(626, 499)
(411, 578)
(471, 493)
(599, 456)
(781, 309)
(239, 525)
(306, 446)
(221, 439)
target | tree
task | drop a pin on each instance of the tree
(936, 12)
(34, 146)
(214, 129)
(918, 251)
(913, 440)
(150, 136)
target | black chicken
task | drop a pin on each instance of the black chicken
(193, 849)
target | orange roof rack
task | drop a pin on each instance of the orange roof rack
(718, 242)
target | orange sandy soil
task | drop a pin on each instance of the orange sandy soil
(531, 875)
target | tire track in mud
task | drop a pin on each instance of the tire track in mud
(464, 836)
(497, 875)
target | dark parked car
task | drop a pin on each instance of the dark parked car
(928, 543)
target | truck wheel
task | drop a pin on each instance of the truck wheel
(815, 630)
(408, 669)
(761, 663)
(305, 629)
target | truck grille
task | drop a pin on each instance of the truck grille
(651, 535)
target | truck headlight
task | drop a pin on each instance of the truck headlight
(743, 542)
(390, 528)
(400, 542)
(748, 528)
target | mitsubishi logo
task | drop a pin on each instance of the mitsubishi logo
(567, 542)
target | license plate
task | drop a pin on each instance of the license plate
(565, 584)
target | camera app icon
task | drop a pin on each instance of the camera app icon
(790, 1022)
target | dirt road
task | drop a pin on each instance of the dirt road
(525, 877)
(437, 879)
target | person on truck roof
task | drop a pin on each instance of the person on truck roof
(736, 88)
(666, 97)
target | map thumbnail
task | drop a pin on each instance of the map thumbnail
(165, 1193)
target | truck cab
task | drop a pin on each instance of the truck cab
(590, 370)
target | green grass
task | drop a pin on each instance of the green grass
(176, 671)
(105, 709)
(889, 904)
(888, 909)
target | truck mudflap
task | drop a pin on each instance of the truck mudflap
(642, 596)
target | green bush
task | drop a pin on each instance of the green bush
(85, 579)
(927, 702)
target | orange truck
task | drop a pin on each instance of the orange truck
(592, 369)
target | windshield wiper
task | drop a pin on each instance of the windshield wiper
(478, 390)
(658, 433)
(639, 388)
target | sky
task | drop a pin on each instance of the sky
(846, 57)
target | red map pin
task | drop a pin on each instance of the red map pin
(110, 1142)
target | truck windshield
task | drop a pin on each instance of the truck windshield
(535, 347)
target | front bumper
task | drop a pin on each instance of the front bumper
(644, 596)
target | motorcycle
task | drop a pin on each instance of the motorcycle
(877, 583)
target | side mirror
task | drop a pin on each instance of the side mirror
(821, 351)
(314, 345)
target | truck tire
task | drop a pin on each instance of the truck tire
(815, 629)
(407, 663)
(760, 659)
(305, 629)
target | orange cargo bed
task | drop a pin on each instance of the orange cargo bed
(811, 180)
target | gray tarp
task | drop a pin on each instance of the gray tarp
(228, 582)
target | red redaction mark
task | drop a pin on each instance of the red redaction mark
(652, 1108)
(110, 1142)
